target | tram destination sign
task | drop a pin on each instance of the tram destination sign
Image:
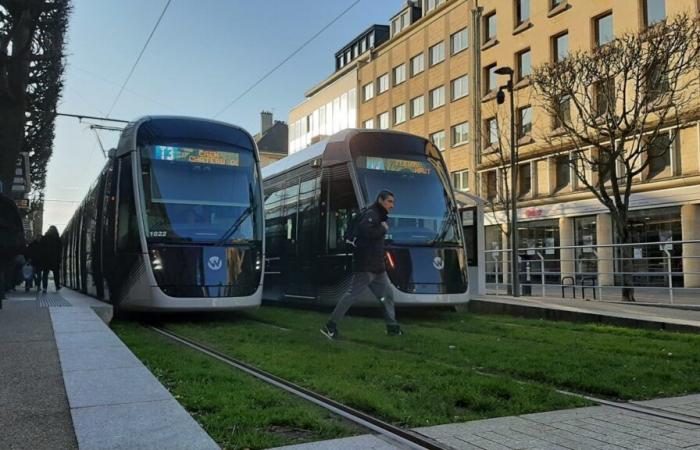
(397, 165)
(195, 155)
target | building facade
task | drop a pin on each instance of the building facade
(273, 139)
(555, 209)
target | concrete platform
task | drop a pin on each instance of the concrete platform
(578, 310)
(69, 382)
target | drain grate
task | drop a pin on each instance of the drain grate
(51, 299)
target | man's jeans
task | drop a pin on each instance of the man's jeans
(378, 284)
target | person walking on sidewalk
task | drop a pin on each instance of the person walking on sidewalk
(50, 257)
(369, 267)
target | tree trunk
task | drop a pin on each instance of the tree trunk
(627, 266)
(11, 137)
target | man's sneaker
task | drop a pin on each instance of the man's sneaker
(394, 330)
(330, 331)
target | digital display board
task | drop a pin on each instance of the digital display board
(397, 165)
(195, 155)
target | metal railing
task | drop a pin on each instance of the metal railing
(658, 271)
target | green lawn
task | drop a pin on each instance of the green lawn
(405, 388)
(236, 410)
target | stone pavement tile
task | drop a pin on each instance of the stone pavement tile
(671, 401)
(139, 426)
(33, 431)
(88, 339)
(67, 324)
(363, 442)
(560, 416)
(457, 444)
(114, 357)
(112, 386)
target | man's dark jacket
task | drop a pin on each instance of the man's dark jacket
(369, 253)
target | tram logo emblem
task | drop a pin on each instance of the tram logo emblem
(438, 263)
(214, 263)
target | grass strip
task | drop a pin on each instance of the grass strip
(236, 410)
(398, 387)
(615, 362)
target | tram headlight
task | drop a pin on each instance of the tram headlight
(156, 262)
(258, 261)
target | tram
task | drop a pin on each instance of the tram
(174, 222)
(311, 195)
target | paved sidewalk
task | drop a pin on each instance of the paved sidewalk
(577, 310)
(34, 409)
(597, 427)
(73, 384)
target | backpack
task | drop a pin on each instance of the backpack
(351, 231)
(27, 272)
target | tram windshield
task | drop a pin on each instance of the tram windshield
(195, 194)
(422, 214)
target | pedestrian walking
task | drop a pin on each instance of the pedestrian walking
(369, 266)
(31, 274)
(11, 242)
(50, 258)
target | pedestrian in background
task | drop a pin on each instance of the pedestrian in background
(369, 266)
(50, 258)
(11, 242)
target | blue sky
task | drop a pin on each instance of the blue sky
(203, 55)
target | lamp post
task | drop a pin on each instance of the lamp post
(500, 99)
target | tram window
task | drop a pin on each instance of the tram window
(341, 206)
(309, 192)
(127, 231)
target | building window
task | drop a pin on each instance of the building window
(604, 29)
(560, 47)
(460, 180)
(491, 182)
(524, 179)
(659, 155)
(657, 83)
(524, 64)
(399, 74)
(522, 11)
(438, 139)
(562, 114)
(383, 120)
(491, 79)
(459, 41)
(417, 65)
(383, 83)
(554, 3)
(492, 132)
(604, 90)
(367, 91)
(654, 11)
(399, 114)
(490, 27)
(562, 172)
(417, 106)
(460, 134)
(368, 124)
(524, 121)
(371, 40)
(437, 97)
(460, 87)
(363, 45)
(437, 53)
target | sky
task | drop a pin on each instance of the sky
(204, 54)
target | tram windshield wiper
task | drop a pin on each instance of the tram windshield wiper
(236, 225)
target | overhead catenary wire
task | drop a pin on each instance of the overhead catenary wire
(133, 67)
(290, 56)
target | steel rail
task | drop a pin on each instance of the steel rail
(398, 436)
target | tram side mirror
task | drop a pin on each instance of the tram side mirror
(112, 153)
(316, 163)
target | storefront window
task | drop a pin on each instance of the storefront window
(585, 233)
(540, 237)
(654, 226)
(493, 238)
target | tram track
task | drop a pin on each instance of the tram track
(398, 436)
(401, 437)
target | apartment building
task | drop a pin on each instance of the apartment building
(555, 209)
(419, 81)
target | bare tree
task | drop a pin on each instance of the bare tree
(612, 109)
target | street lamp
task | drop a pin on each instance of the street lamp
(500, 99)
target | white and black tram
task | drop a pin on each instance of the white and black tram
(311, 195)
(174, 222)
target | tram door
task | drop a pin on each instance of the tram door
(301, 207)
